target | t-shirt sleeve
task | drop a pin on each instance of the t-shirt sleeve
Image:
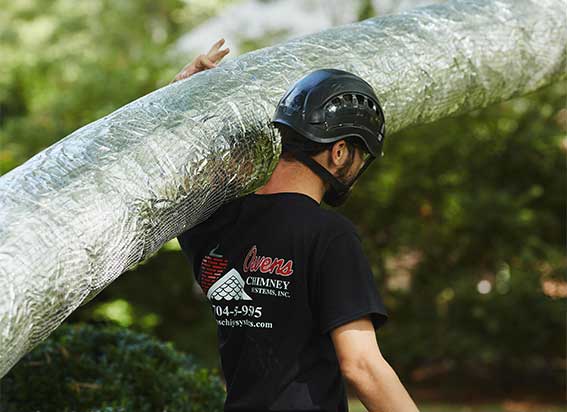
(185, 243)
(195, 241)
(345, 289)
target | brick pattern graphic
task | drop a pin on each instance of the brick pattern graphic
(211, 270)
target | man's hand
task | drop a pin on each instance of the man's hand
(203, 61)
(363, 366)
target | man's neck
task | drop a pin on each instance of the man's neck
(294, 177)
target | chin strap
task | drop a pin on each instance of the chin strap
(317, 168)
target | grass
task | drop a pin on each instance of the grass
(356, 406)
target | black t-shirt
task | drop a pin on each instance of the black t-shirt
(280, 273)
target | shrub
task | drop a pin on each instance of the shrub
(108, 369)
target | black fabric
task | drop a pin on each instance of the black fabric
(280, 273)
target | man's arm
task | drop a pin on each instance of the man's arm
(375, 382)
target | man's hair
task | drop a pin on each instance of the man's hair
(311, 148)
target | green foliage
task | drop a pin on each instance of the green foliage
(108, 369)
(366, 10)
(67, 63)
(180, 315)
(469, 199)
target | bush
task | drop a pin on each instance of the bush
(108, 369)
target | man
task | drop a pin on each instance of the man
(291, 290)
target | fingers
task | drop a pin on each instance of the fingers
(216, 55)
(216, 46)
(204, 62)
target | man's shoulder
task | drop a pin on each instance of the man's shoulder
(334, 223)
(212, 221)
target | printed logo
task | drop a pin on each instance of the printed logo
(213, 250)
(220, 286)
(217, 286)
(266, 264)
(228, 287)
(212, 267)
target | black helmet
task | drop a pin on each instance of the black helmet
(328, 105)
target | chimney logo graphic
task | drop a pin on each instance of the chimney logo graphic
(217, 286)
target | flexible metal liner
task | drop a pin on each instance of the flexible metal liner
(83, 211)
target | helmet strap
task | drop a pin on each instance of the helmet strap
(338, 188)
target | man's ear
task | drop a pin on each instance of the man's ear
(338, 154)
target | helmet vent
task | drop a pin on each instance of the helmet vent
(351, 100)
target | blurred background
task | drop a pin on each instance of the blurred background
(463, 220)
